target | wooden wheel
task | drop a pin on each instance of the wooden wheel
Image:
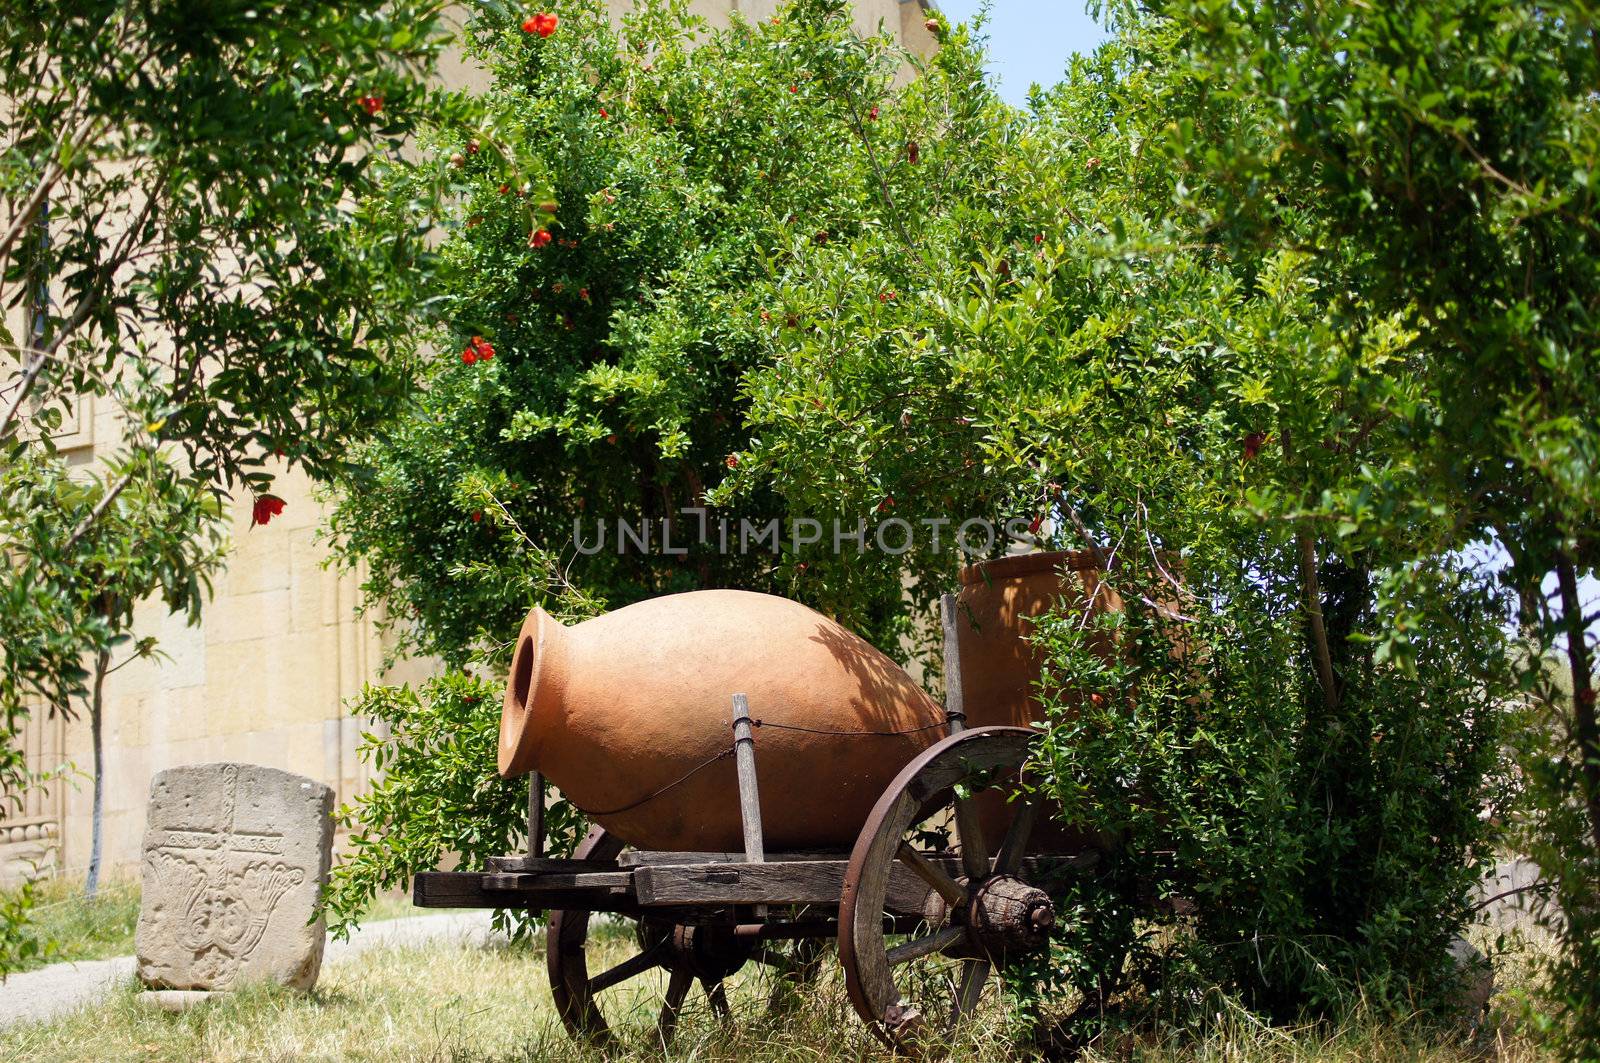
(688, 953)
(980, 911)
(567, 961)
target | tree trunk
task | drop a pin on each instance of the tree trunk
(96, 704)
(1585, 730)
(1311, 595)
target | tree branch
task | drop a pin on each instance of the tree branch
(85, 307)
(97, 512)
(1311, 592)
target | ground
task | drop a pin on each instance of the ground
(467, 1000)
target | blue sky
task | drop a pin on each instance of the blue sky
(1031, 40)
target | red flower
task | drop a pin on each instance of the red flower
(794, 88)
(873, 114)
(477, 515)
(482, 348)
(1252, 444)
(544, 24)
(468, 356)
(583, 293)
(266, 507)
(539, 238)
(731, 461)
(603, 113)
(887, 503)
(612, 439)
(1038, 238)
(1098, 699)
(370, 104)
(504, 189)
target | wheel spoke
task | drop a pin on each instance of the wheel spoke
(941, 883)
(625, 970)
(927, 946)
(1015, 844)
(974, 851)
(717, 994)
(973, 975)
(677, 990)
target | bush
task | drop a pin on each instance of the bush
(1309, 858)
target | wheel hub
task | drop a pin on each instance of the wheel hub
(709, 953)
(1008, 916)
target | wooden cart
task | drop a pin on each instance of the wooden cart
(922, 882)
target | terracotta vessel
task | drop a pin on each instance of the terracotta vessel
(627, 714)
(995, 607)
(1000, 666)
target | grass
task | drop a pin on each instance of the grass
(70, 927)
(492, 1005)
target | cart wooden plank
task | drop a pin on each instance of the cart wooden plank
(651, 858)
(738, 882)
(803, 881)
(548, 881)
(522, 864)
(470, 889)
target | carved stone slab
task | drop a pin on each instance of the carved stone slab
(234, 857)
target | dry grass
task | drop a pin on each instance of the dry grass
(492, 1005)
(70, 927)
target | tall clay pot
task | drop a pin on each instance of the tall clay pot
(1000, 665)
(628, 712)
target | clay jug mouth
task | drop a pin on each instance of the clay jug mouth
(519, 725)
(1020, 566)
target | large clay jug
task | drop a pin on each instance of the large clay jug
(630, 714)
(1000, 665)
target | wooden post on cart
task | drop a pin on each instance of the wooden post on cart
(954, 704)
(535, 815)
(744, 760)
